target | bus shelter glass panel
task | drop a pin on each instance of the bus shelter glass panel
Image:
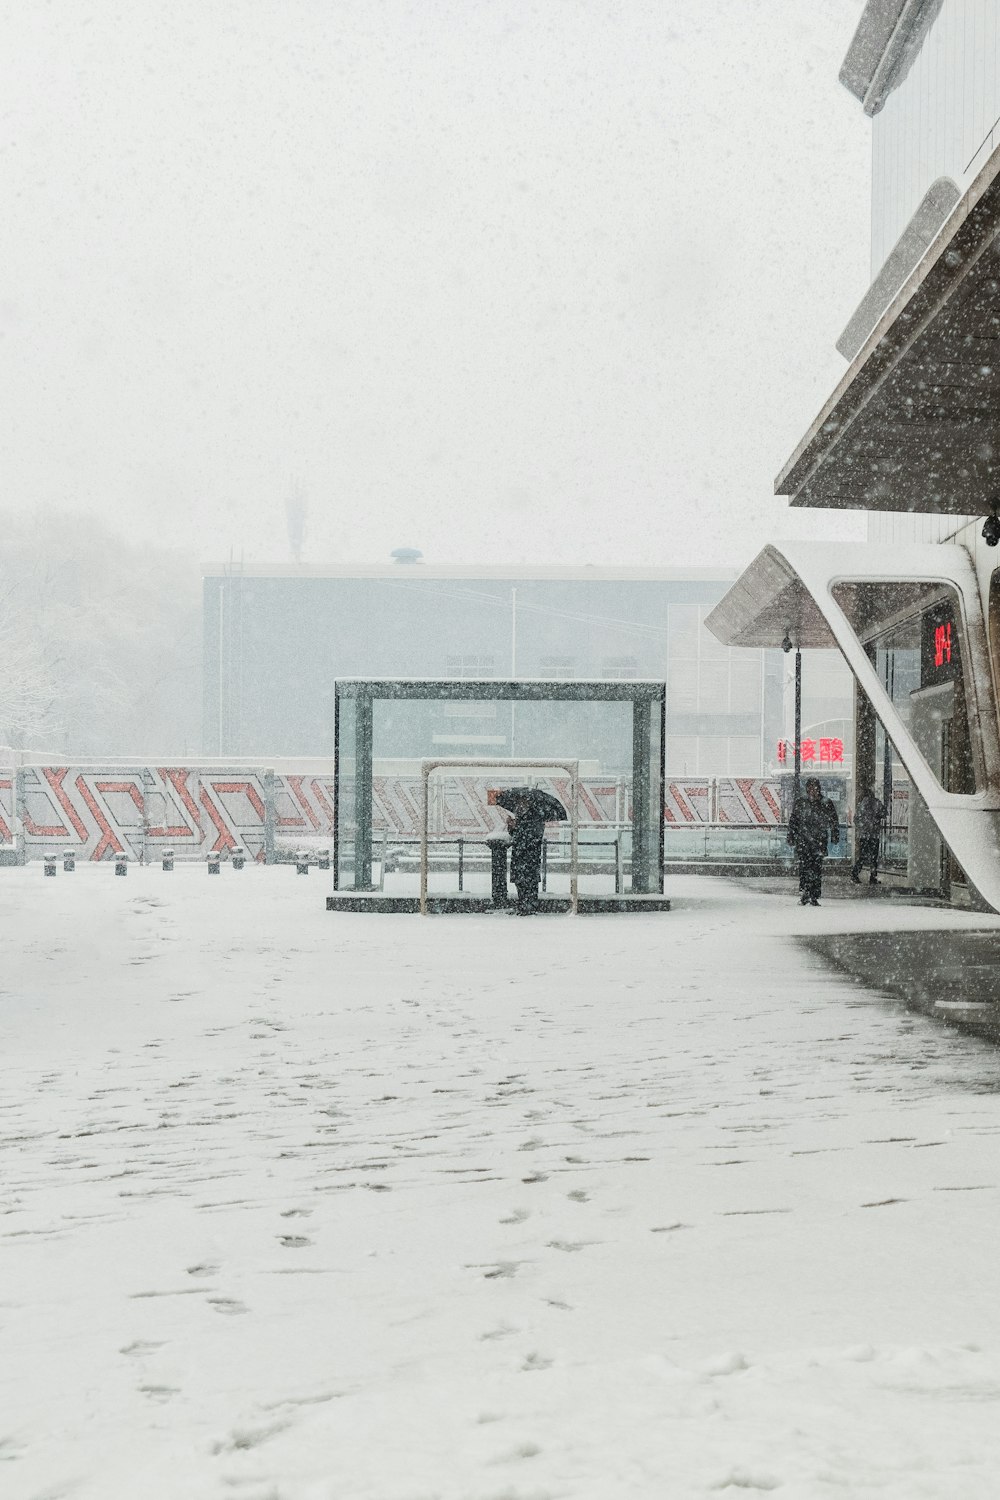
(614, 731)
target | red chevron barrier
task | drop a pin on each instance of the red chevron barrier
(6, 807)
(101, 812)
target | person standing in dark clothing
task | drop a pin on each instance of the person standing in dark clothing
(527, 830)
(531, 808)
(811, 828)
(869, 815)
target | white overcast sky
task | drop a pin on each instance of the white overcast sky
(506, 280)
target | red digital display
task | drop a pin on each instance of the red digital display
(942, 644)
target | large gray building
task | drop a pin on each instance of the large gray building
(277, 638)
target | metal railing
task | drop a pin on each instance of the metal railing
(705, 843)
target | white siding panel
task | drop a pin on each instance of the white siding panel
(940, 121)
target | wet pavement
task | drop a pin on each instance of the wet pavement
(952, 976)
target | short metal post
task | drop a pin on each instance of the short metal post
(498, 848)
(302, 862)
(168, 860)
(50, 864)
(69, 860)
(121, 863)
(214, 862)
(574, 901)
(323, 859)
(461, 864)
(240, 859)
(423, 841)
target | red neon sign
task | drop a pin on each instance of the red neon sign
(827, 751)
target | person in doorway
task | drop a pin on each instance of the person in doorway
(812, 827)
(869, 815)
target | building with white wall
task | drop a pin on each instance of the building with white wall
(911, 435)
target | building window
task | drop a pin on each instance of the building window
(471, 666)
(744, 755)
(682, 755)
(713, 687)
(713, 755)
(682, 688)
(620, 668)
(557, 668)
(744, 686)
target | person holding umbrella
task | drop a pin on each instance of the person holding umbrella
(812, 826)
(530, 810)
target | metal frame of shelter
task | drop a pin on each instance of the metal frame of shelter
(648, 700)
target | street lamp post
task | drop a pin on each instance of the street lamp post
(787, 646)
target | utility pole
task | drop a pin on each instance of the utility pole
(796, 789)
(513, 659)
(787, 646)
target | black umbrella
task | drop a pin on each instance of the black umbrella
(542, 804)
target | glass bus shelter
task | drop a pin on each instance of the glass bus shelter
(384, 729)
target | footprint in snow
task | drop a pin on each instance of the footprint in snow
(503, 1332)
(746, 1479)
(229, 1305)
(242, 1438)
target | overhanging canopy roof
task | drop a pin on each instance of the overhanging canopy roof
(914, 425)
(767, 601)
(787, 588)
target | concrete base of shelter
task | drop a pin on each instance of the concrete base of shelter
(378, 901)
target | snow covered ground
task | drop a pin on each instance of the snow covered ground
(300, 1206)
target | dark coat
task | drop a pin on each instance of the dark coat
(526, 836)
(812, 825)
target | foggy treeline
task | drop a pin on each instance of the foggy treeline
(99, 640)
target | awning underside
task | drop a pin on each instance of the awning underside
(767, 605)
